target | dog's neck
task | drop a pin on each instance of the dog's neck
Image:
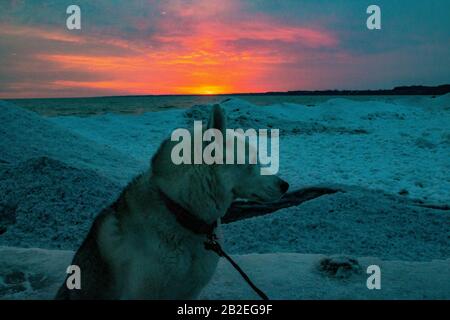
(200, 191)
(185, 218)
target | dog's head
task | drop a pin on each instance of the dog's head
(210, 188)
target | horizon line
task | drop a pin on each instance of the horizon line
(403, 91)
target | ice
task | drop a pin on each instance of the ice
(390, 159)
(37, 274)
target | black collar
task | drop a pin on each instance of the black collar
(187, 219)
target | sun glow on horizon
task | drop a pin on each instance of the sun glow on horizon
(206, 90)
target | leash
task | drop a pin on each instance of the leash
(213, 245)
(198, 226)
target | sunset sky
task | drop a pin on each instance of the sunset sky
(225, 46)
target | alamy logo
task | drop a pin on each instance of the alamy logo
(73, 21)
(374, 280)
(237, 147)
(74, 279)
(374, 20)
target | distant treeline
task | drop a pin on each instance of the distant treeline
(397, 91)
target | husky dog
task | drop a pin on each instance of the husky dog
(149, 244)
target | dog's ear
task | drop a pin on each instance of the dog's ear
(217, 119)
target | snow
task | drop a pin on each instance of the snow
(32, 273)
(386, 146)
(49, 204)
(25, 135)
(38, 273)
(356, 221)
(136, 136)
(297, 276)
(388, 158)
(395, 147)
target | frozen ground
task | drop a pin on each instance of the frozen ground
(38, 273)
(56, 173)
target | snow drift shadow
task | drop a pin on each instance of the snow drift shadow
(240, 210)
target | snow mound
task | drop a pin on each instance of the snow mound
(136, 135)
(37, 274)
(25, 135)
(241, 114)
(356, 222)
(47, 203)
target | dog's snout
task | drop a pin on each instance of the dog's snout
(284, 186)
